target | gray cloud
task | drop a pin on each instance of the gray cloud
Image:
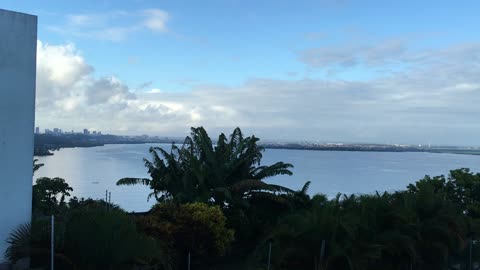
(328, 56)
(108, 90)
(390, 51)
(144, 85)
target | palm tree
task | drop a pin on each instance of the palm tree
(19, 243)
(225, 173)
(27, 241)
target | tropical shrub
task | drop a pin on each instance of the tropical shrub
(402, 230)
(461, 187)
(195, 228)
(82, 203)
(97, 239)
(19, 243)
(32, 241)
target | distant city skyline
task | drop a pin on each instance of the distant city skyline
(61, 131)
(351, 71)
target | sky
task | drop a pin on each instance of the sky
(403, 72)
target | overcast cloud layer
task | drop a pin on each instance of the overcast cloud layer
(421, 96)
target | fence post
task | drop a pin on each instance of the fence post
(52, 239)
(322, 254)
(269, 253)
(470, 254)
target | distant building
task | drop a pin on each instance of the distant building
(47, 131)
(86, 132)
(57, 131)
(37, 130)
(94, 132)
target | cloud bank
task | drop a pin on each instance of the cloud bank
(433, 98)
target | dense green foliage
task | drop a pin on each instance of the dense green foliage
(19, 243)
(89, 234)
(428, 226)
(194, 228)
(389, 231)
(86, 238)
(49, 195)
(33, 241)
(96, 239)
(214, 205)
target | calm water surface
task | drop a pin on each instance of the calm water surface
(91, 171)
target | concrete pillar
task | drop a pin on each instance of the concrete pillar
(18, 46)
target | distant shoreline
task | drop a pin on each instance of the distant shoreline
(348, 148)
(46, 143)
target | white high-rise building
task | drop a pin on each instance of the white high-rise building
(18, 45)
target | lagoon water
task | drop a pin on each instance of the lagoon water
(91, 171)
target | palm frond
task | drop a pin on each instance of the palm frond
(249, 184)
(279, 168)
(19, 243)
(236, 137)
(127, 181)
(279, 189)
(305, 187)
(37, 166)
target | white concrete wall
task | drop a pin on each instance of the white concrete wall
(18, 42)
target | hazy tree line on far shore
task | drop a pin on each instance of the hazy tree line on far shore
(214, 207)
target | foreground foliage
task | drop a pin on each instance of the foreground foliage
(194, 228)
(49, 195)
(96, 239)
(215, 210)
(89, 234)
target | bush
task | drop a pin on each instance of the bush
(96, 239)
(195, 227)
(33, 241)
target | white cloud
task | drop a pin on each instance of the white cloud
(69, 95)
(435, 100)
(61, 71)
(113, 26)
(156, 20)
(154, 91)
(80, 19)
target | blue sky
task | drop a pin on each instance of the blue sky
(167, 57)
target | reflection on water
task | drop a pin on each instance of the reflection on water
(91, 171)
